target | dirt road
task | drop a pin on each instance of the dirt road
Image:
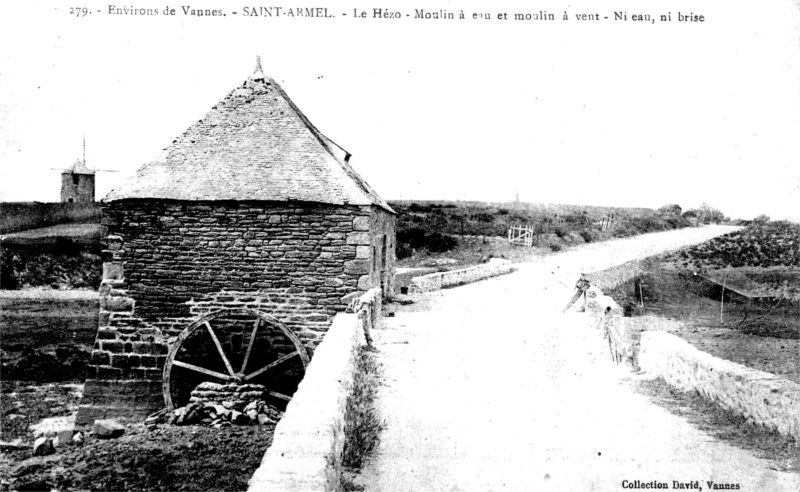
(490, 387)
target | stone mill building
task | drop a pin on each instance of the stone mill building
(77, 184)
(229, 256)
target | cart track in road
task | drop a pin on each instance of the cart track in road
(489, 387)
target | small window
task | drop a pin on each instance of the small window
(70, 200)
(75, 178)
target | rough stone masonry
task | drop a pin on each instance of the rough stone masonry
(180, 261)
(251, 208)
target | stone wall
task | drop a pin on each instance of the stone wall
(166, 263)
(452, 278)
(382, 257)
(615, 276)
(306, 449)
(761, 397)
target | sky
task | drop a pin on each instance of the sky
(614, 113)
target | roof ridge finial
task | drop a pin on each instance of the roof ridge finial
(258, 66)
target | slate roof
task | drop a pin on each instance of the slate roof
(255, 144)
(78, 168)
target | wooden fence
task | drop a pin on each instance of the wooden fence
(522, 235)
(528, 235)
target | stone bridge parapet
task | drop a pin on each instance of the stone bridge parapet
(452, 278)
(762, 398)
(307, 446)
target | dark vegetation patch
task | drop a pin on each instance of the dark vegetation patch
(415, 238)
(723, 424)
(773, 244)
(437, 227)
(66, 363)
(65, 256)
(167, 458)
(64, 265)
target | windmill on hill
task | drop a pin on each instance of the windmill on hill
(77, 181)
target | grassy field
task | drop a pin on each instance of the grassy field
(19, 216)
(75, 233)
(47, 335)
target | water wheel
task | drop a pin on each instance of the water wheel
(240, 346)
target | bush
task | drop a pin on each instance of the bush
(761, 219)
(559, 231)
(588, 235)
(646, 223)
(576, 219)
(413, 237)
(61, 265)
(439, 243)
(677, 221)
(671, 209)
(403, 250)
(624, 230)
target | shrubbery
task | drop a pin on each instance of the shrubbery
(414, 238)
(588, 235)
(439, 243)
(63, 265)
(773, 244)
(434, 227)
(67, 364)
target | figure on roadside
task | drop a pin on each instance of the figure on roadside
(607, 321)
(580, 290)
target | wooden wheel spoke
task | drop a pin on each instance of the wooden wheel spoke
(271, 365)
(177, 384)
(219, 349)
(203, 370)
(250, 345)
(279, 395)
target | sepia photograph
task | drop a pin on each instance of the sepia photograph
(452, 246)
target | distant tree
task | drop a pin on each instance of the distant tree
(761, 219)
(671, 209)
(690, 214)
(708, 214)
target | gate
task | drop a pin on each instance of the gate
(522, 235)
